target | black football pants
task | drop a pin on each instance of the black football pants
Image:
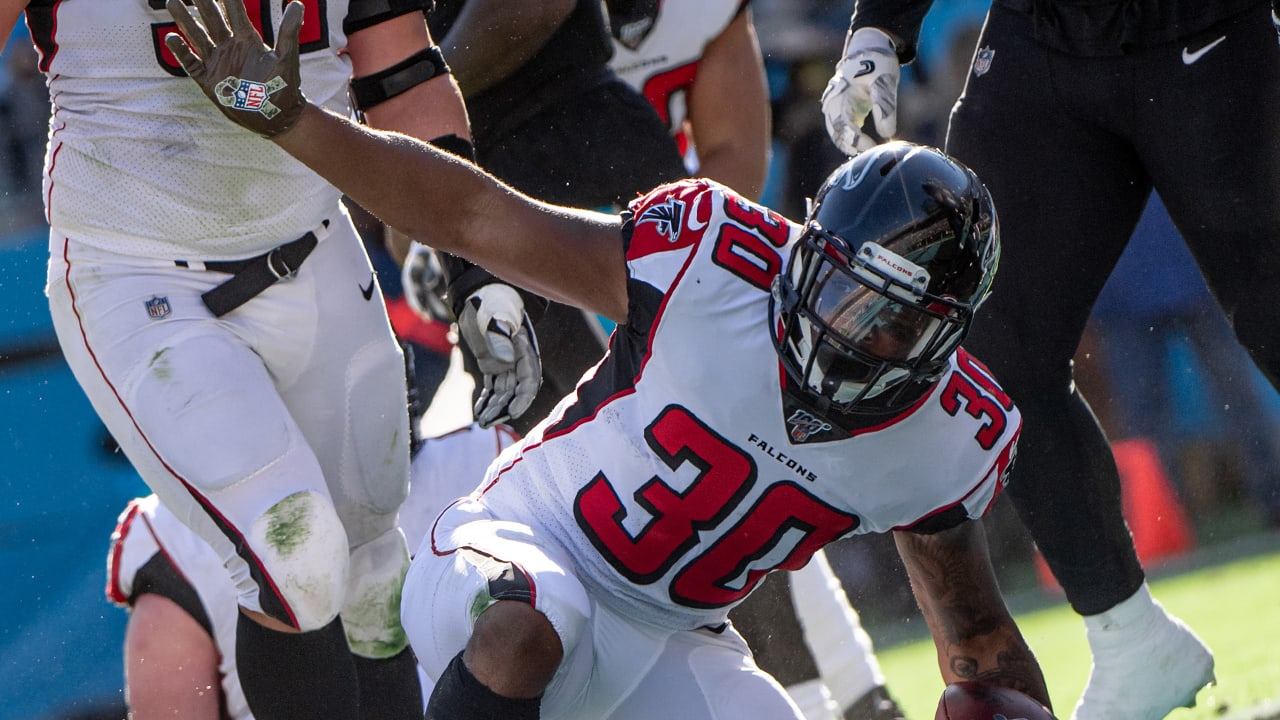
(1070, 148)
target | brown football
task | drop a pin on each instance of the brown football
(981, 701)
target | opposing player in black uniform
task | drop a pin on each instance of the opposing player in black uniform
(549, 117)
(1072, 114)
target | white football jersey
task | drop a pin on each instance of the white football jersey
(659, 56)
(678, 474)
(141, 163)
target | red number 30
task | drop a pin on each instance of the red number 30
(314, 35)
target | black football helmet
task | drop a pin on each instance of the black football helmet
(900, 247)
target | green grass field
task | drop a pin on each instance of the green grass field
(1233, 606)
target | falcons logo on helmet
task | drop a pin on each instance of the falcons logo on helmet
(668, 218)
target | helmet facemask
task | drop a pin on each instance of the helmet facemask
(854, 327)
(900, 248)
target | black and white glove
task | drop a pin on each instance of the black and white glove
(423, 280)
(865, 83)
(495, 327)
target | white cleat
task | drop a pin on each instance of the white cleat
(1146, 663)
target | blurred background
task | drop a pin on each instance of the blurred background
(1195, 428)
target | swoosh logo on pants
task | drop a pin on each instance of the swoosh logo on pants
(1189, 57)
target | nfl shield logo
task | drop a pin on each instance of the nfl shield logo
(250, 95)
(982, 61)
(158, 307)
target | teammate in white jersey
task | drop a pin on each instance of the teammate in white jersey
(180, 640)
(693, 60)
(214, 302)
(767, 390)
(698, 62)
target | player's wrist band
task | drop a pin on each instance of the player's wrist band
(460, 287)
(369, 91)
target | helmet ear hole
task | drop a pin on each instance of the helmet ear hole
(881, 287)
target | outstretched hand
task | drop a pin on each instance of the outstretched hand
(257, 87)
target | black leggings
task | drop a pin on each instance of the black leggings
(1071, 148)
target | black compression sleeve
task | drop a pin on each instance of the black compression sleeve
(900, 18)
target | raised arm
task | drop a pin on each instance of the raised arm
(956, 588)
(729, 113)
(568, 255)
(572, 256)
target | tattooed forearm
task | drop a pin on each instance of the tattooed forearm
(953, 582)
(956, 589)
(1016, 668)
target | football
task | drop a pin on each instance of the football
(981, 701)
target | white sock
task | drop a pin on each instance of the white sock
(814, 700)
(833, 631)
(1125, 616)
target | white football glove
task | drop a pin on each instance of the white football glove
(865, 83)
(423, 281)
(495, 327)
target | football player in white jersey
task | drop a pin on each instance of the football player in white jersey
(767, 390)
(692, 59)
(215, 304)
(698, 62)
(180, 639)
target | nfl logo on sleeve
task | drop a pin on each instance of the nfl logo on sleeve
(158, 307)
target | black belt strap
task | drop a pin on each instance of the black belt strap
(252, 276)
